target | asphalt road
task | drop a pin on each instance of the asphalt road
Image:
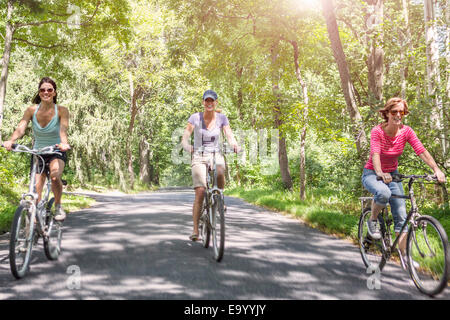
(137, 247)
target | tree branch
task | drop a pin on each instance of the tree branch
(39, 45)
(39, 23)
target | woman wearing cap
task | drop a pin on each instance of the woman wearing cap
(387, 143)
(206, 126)
(50, 122)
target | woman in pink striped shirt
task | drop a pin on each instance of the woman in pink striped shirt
(387, 142)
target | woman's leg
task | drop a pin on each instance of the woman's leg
(398, 209)
(56, 169)
(40, 181)
(197, 207)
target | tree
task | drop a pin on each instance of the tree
(37, 26)
(346, 81)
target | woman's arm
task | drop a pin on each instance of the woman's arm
(428, 159)
(63, 126)
(20, 130)
(230, 138)
(185, 139)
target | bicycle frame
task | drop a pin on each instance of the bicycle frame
(411, 217)
(29, 199)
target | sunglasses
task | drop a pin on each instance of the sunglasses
(394, 112)
(42, 90)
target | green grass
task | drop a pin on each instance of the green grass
(70, 203)
(327, 210)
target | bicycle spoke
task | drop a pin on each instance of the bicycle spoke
(428, 255)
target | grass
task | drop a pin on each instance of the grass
(71, 203)
(327, 210)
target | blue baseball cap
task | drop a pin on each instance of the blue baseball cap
(210, 94)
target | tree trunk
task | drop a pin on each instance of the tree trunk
(282, 151)
(133, 111)
(433, 76)
(447, 46)
(346, 82)
(305, 121)
(375, 60)
(9, 28)
(406, 43)
(144, 161)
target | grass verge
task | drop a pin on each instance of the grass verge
(71, 203)
(323, 209)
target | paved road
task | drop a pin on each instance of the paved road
(137, 247)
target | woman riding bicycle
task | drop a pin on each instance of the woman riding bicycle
(387, 143)
(206, 126)
(50, 122)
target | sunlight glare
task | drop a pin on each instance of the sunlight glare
(308, 4)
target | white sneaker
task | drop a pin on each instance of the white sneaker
(373, 228)
(60, 214)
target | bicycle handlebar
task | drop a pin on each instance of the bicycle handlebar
(401, 177)
(210, 150)
(46, 150)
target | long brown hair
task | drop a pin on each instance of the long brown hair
(392, 102)
(37, 98)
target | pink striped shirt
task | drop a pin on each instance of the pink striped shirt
(390, 148)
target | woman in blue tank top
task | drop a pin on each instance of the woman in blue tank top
(50, 122)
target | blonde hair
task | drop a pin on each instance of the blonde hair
(392, 102)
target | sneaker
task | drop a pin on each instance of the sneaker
(60, 214)
(373, 228)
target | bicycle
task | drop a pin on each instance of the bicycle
(212, 219)
(32, 221)
(427, 255)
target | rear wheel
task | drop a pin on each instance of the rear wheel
(21, 242)
(428, 256)
(52, 243)
(372, 251)
(218, 227)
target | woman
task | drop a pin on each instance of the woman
(50, 122)
(206, 126)
(387, 143)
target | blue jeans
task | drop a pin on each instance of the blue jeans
(382, 196)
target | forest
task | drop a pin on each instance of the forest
(301, 82)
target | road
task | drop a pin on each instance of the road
(137, 247)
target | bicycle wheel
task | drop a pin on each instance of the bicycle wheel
(428, 256)
(205, 230)
(372, 251)
(21, 243)
(52, 243)
(218, 227)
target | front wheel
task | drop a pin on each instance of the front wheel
(428, 256)
(21, 242)
(205, 230)
(218, 227)
(52, 242)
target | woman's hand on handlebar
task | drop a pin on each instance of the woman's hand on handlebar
(8, 145)
(63, 147)
(387, 178)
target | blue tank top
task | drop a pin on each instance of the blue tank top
(49, 135)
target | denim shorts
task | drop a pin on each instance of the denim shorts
(382, 196)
